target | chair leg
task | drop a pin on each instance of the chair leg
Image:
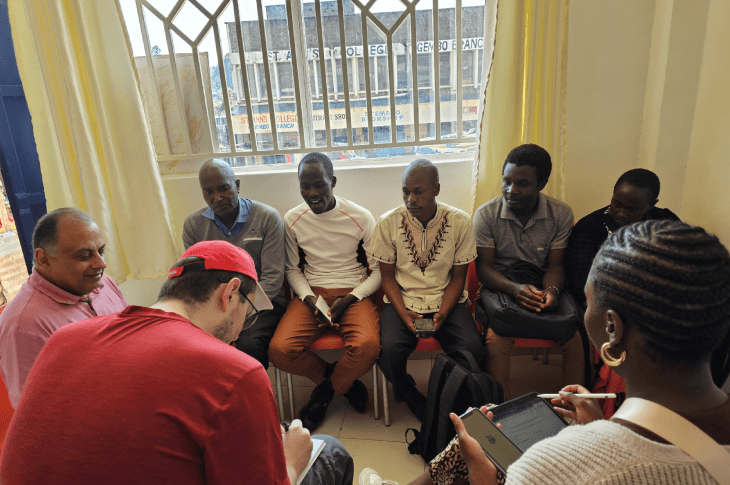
(290, 388)
(386, 408)
(277, 375)
(545, 359)
(535, 353)
(376, 398)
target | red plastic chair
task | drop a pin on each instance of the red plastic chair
(6, 410)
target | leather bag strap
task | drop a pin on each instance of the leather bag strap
(681, 433)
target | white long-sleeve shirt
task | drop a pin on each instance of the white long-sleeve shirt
(328, 250)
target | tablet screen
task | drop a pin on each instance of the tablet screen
(527, 420)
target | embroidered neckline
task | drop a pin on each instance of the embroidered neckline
(431, 255)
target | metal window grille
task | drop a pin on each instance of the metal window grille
(290, 89)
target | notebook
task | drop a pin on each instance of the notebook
(317, 447)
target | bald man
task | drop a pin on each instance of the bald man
(67, 284)
(424, 248)
(250, 225)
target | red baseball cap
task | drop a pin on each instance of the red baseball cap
(223, 255)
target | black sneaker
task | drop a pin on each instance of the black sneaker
(357, 396)
(313, 413)
(415, 401)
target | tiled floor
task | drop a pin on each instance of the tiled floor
(384, 448)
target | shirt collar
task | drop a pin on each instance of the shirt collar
(55, 293)
(244, 208)
(436, 217)
(540, 212)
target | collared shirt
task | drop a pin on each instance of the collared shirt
(424, 256)
(495, 226)
(244, 208)
(39, 309)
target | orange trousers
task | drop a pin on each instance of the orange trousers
(298, 329)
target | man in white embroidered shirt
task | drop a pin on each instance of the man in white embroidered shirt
(424, 248)
(326, 240)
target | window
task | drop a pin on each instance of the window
(355, 79)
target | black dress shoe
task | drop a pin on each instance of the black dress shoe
(357, 396)
(313, 413)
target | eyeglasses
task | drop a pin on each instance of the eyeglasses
(251, 317)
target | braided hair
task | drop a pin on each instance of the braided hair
(670, 281)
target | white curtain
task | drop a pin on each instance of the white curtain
(93, 140)
(524, 99)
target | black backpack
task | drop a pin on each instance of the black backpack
(455, 384)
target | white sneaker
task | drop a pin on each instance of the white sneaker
(370, 477)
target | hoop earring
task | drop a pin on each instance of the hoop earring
(611, 361)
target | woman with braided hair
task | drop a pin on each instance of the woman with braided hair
(658, 299)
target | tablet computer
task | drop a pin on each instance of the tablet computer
(527, 420)
(498, 447)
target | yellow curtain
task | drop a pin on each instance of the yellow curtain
(524, 100)
(93, 140)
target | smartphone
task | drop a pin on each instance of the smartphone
(500, 449)
(424, 326)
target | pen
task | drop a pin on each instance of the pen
(594, 396)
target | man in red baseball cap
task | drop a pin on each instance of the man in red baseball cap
(158, 395)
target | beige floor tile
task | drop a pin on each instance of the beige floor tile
(391, 460)
(364, 426)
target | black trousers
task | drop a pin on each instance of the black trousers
(458, 332)
(255, 340)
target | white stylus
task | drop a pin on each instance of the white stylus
(593, 396)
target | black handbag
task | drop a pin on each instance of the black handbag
(506, 318)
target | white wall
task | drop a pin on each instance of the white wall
(375, 188)
(706, 198)
(608, 55)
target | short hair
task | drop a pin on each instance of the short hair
(197, 286)
(534, 156)
(641, 178)
(321, 158)
(671, 282)
(45, 232)
(423, 164)
(219, 164)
